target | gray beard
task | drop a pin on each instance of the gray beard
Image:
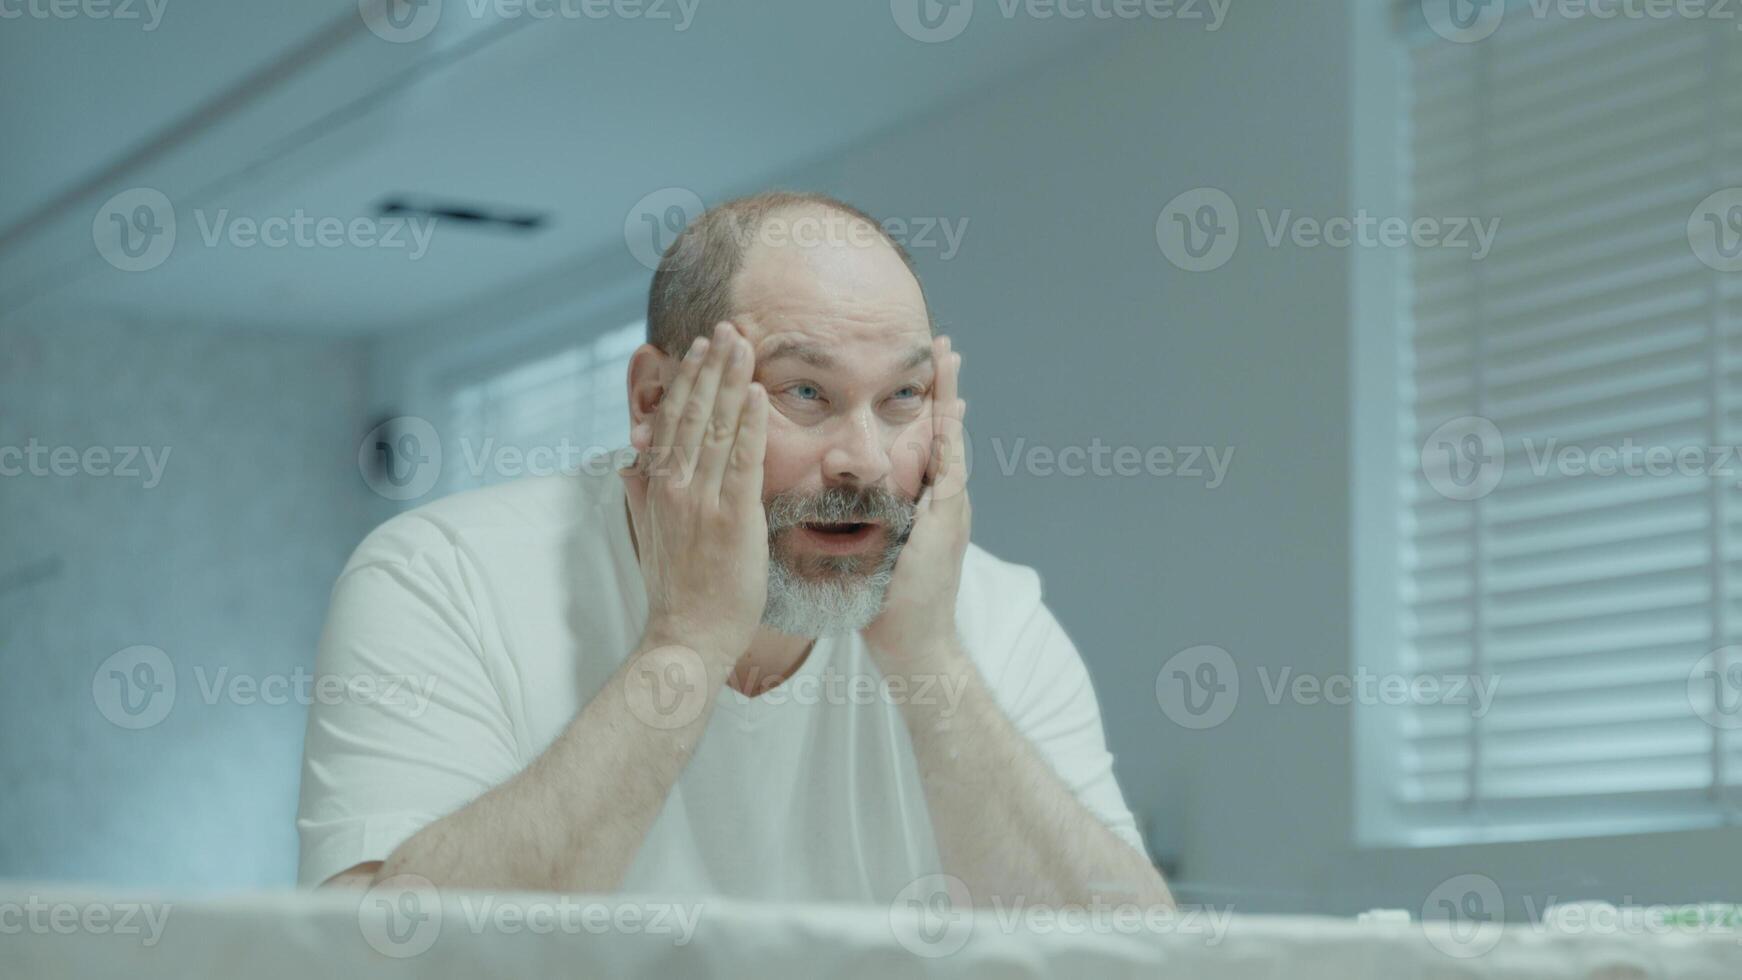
(831, 595)
(841, 600)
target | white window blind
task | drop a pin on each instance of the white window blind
(536, 416)
(1590, 600)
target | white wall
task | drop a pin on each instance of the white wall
(224, 563)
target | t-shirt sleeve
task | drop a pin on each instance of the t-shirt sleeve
(405, 724)
(1049, 698)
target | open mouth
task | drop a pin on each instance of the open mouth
(841, 538)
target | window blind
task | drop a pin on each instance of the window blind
(1545, 543)
(540, 415)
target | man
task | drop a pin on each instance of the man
(620, 662)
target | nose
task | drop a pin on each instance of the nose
(857, 453)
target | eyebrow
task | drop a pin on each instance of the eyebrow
(817, 357)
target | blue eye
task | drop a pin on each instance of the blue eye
(806, 391)
(911, 391)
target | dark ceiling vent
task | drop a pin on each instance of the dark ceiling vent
(472, 215)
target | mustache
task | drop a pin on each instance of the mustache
(841, 505)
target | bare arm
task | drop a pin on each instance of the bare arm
(1006, 825)
(576, 817)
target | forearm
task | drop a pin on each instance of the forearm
(1005, 823)
(576, 817)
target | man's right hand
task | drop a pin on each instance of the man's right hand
(695, 492)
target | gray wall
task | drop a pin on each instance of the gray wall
(224, 563)
(1075, 327)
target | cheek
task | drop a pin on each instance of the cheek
(909, 454)
(790, 457)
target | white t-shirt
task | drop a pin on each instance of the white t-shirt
(470, 631)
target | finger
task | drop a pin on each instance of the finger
(722, 429)
(699, 406)
(947, 361)
(672, 402)
(949, 452)
(741, 486)
(635, 488)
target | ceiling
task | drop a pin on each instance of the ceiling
(238, 114)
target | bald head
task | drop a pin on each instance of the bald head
(698, 284)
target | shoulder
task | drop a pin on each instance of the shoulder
(1000, 612)
(994, 587)
(511, 514)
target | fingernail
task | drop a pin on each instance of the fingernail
(695, 350)
(737, 354)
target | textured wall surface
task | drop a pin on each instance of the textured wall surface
(221, 557)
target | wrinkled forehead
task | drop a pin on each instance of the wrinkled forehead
(829, 290)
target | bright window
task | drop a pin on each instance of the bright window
(1571, 411)
(540, 415)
